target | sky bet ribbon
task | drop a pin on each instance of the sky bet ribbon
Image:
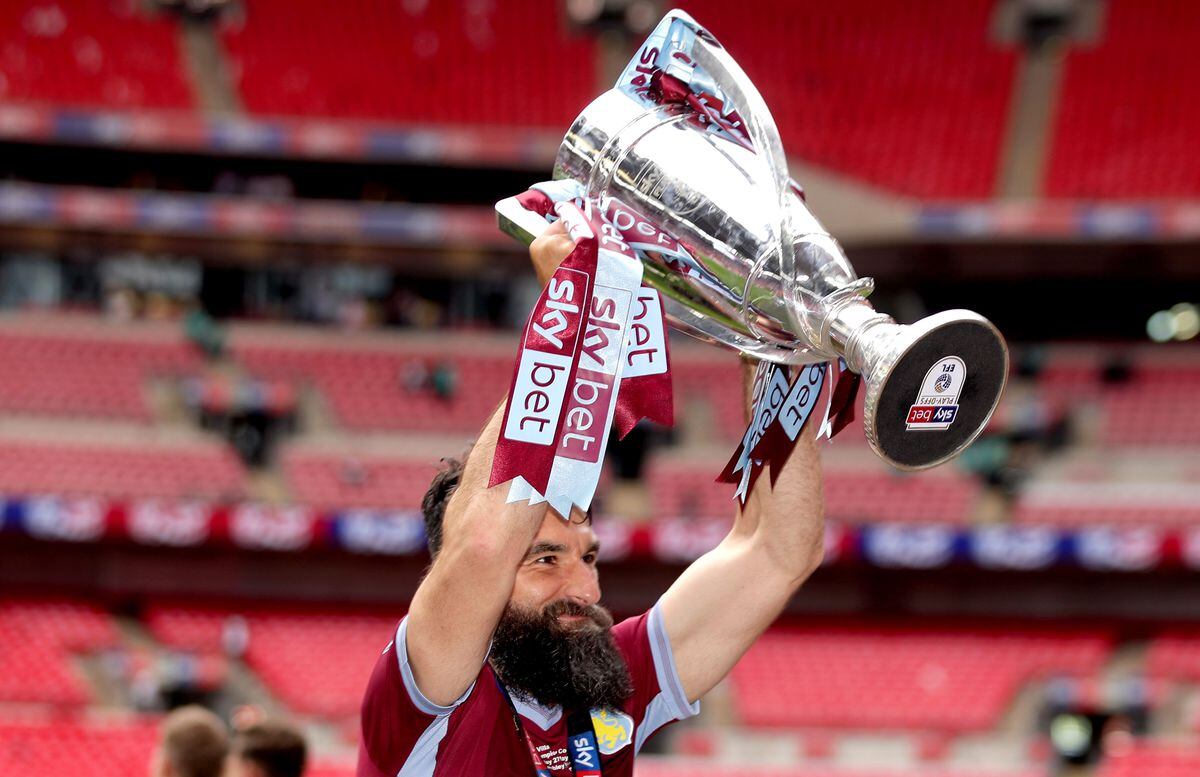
(608, 361)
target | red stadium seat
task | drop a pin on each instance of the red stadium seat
(1152, 760)
(369, 389)
(406, 62)
(77, 375)
(36, 653)
(99, 54)
(194, 470)
(687, 488)
(1125, 127)
(77, 749)
(329, 481)
(652, 767)
(316, 663)
(948, 680)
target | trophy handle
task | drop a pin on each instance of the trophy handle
(517, 221)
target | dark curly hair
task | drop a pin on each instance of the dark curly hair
(441, 488)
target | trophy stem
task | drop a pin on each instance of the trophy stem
(844, 332)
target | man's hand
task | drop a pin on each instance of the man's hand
(549, 250)
(729, 596)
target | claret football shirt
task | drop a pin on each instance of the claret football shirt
(406, 735)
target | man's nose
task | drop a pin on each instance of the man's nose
(582, 585)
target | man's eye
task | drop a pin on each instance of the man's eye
(545, 560)
(590, 558)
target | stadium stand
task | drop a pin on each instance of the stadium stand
(77, 749)
(686, 488)
(1143, 401)
(390, 389)
(1152, 760)
(948, 680)
(1174, 656)
(39, 640)
(79, 52)
(1124, 125)
(197, 470)
(328, 481)
(68, 373)
(1067, 503)
(867, 87)
(316, 663)
(651, 767)
(428, 63)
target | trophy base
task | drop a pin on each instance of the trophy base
(935, 390)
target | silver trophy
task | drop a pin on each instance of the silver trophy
(685, 152)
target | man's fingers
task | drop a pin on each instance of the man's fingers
(549, 250)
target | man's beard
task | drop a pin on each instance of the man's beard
(575, 665)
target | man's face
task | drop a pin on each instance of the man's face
(560, 565)
(553, 642)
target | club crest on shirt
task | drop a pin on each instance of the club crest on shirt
(614, 730)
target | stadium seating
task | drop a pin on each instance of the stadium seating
(943, 680)
(193, 470)
(912, 96)
(413, 62)
(653, 767)
(1124, 126)
(1152, 760)
(39, 639)
(96, 54)
(72, 374)
(77, 749)
(1082, 503)
(687, 488)
(1149, 405)
(316, 663)
(371, 389)
(1174, 656)
(329, 481)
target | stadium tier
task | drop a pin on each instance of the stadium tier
(868, 87)
(1128, 504)
(1152, 760)
(861, 678)
(73, 374)
(332, 482)
(686, 488)
(1124, 122)
(197, 470)
(101, 54)
(316, 663)
(429, 63)
(77, 749)
(39, 639)
(1174, 656)
(415, 390)
(653, 768)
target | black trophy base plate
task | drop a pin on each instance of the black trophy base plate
(940, 393)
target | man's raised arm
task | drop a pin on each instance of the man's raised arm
(460, 601)
(728, 597)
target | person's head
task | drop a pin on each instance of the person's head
(270, 748)
(194, 743)
(553, 642)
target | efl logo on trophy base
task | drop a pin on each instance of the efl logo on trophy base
(937, 404)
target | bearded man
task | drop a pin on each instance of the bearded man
(506, 664)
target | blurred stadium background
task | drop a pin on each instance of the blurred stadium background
(252, 291)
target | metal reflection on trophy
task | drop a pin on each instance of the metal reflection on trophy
(685, 144)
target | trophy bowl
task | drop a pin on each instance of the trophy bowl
(684, 158)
